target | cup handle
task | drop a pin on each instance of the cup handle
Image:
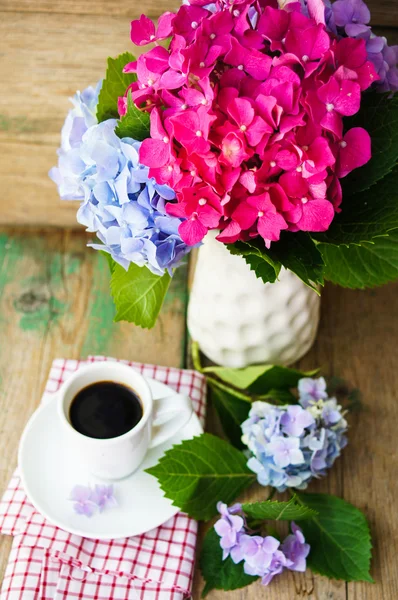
(171, 413)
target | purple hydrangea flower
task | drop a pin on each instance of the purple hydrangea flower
(120, 203)
(263, 557)
(290, 445)
(82, 498)
(295, 549)
(228, 527)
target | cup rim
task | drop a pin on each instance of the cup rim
(147, 410)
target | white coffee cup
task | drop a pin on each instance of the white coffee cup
(115, 458)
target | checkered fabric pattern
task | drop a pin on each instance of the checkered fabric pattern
(48, 563)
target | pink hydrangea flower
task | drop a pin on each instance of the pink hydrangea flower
(247, 107)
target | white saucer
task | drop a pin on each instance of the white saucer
(49, 471)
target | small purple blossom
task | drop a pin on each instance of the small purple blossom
(228, 527)
(295, 420)
(286, 451)
(350, 11)
(311, 389)
(257, 553)
(87, 500)
(103, 497)
(295, 549)
(278, 563)
(82, 497)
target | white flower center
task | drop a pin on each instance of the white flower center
(193, 173)
(304, 200)
(166, 139)
(184, 106)
(240, 67)
(212, 36)
(272, 164)
(194, 24)
(329, 107)
(305, 148)
(243, 127)
(150, 81)
(305, 58)
(198, 133)
(170, 168)
(201, 64)
(236, 13)
(343, 144)
(202, 202)
(260, 213)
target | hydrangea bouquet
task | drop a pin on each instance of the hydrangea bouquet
(270, 121)
(285, 429)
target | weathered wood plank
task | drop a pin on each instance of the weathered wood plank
(54, 302)
(384, 12)
(356, 341)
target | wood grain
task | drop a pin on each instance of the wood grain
(384, 12)
(54, 302)
(356, 341)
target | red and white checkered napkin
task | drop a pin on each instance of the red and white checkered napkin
(48, 563)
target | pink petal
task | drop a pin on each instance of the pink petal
(142, 31)
(154, 153)
(165, 25)
(316, 10)
(294, 184)
(230, 234)
(349, 99)
(209, 216)
(192, 231)
(317, 215)
(248, 180)
(269, 226)
(245, 215)
(241, 111)
(355, 151)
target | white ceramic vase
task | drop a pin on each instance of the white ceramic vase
(238, 320)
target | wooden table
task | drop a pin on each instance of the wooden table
(54, 299)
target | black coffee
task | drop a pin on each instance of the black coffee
(105, 410)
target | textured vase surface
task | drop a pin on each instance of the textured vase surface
(238, 320)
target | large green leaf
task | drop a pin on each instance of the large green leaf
(198, 473)
(339, 538)
(134, 124)
(295, 251)
(259, 379)
(232, 411)
(138, 294)
(278, 511)
(366, 215)
(368, 265)
(114, 85)
(220, 574)
(298, 253)
(379, 116)
(258, 260)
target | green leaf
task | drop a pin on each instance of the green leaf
(198, 473)
(366, 215)
(134, 124)
(138, 294)
(298, 253)
(260, 379)
(294, 251)
(281, 396)
(109, 260)
(258, 261)
(278, 511)
(379, 116)
(368, 265)
(114, 85)
(339, 538)
(220, 574)
(232, 412)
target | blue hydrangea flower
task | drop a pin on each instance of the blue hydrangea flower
(228, 527)
(289, 445)
(120, 203)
